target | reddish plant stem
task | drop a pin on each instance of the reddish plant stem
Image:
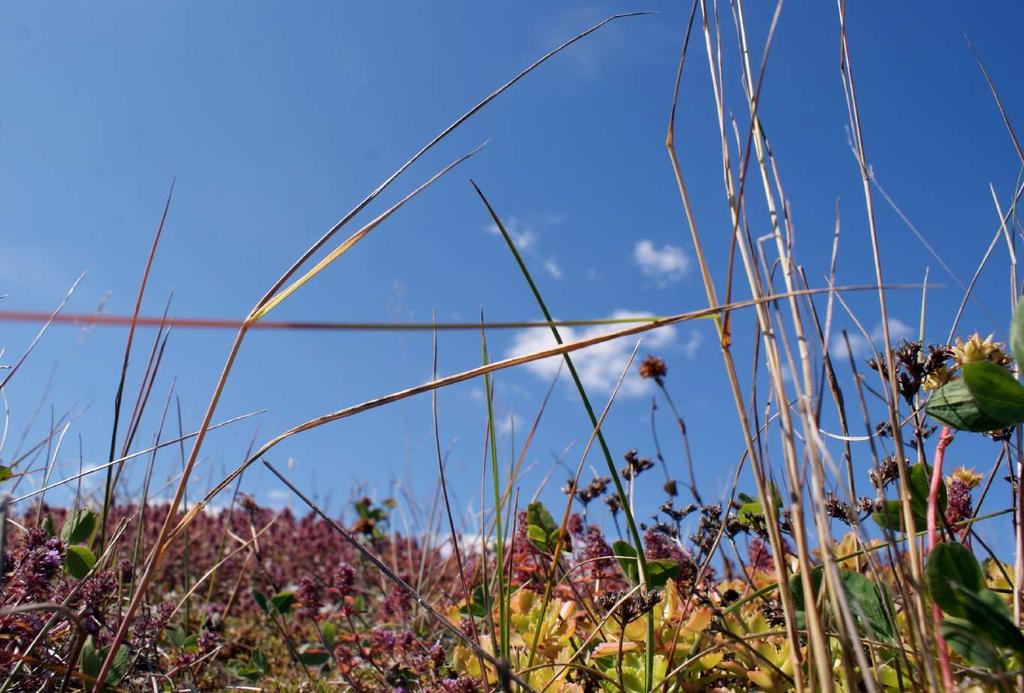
(945, 438)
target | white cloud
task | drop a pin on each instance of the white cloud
(692, 344)
(552, 268)
(666, 264)
(278, 496)
(600, 365)
(525, 237)
(861, 347)
(508, 423)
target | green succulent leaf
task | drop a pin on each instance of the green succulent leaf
(998, 395)
(953, 405)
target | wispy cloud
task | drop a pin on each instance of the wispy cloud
(860, 346)
(665, 265)
(692, 344)
(601, 365)
(508, 422)
(553, 268)
(526, 237)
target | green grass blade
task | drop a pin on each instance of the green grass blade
(613, 472)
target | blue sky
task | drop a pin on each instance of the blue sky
(275, 118)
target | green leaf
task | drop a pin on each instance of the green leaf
(314, 655)
(78, 561)
(402, 678)
(627, 559)
(478, 603)
(890, 516)
(660, 571)
(750, 513)
(990, 618)
(5, 472)
(246, 672)
(537, 537)
(91, 661)
(953, 405)
(538, 515)
(998, 395)
(796, 589)
(49, 527)
(180, 638)
(330, 633)
(79, 528)
(176, 636)
(867, 601)
(259, 661)
(119, 667)
(962, 638)
(919, 480)
(1017, 332)
(261, 600)
(540, 527)
(951, 564)
(282, 602)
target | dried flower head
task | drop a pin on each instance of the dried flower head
(888, 471)
(653, 367)
(632, 607)
(595, 489)
(836, 508)
(773, 613)
(677, 514)
(635, 465)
